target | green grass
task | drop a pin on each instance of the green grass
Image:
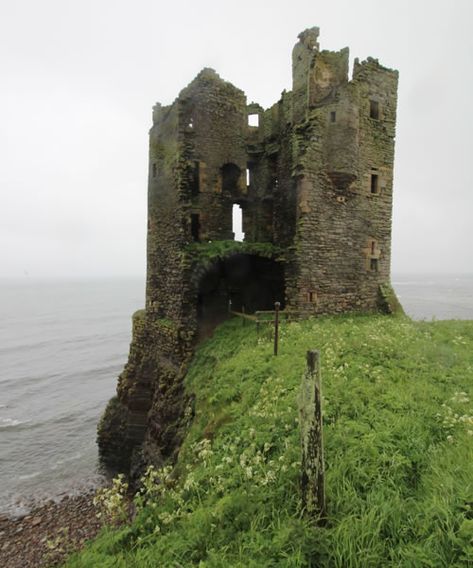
(398, 451)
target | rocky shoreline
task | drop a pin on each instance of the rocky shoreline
(49, 533)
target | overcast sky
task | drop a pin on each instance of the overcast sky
(79, 79)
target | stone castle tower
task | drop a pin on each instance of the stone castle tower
(313, 178)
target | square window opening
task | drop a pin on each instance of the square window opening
(333, 116)
(374, 264)
(253, 120)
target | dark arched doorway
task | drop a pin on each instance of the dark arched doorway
(250, 282)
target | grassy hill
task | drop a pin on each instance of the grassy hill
(398, 449)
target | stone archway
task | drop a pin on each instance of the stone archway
(250, 282)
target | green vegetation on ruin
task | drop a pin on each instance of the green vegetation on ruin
(398, 415)
(206, 253)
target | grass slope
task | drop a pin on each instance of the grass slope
(398, 449)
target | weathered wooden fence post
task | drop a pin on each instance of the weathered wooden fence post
(313, 468)
(276, 326)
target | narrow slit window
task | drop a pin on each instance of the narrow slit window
(253, 120)
(195, 180)
(374, 110)
(374, 183)
(195, 227)
(374, 264)
(373, 247)
(333, 116)
(155, 170)
(247, 177)
(237, 223)
(311, 297)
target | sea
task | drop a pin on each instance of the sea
(62, 347)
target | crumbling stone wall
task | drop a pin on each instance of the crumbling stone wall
(313, 175)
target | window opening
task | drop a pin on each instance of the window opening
(237, 223)
(155, 170)
(373, 247)
(191, 123)
(374, 183)
(247, 177)
(374, 264)
(253, 120)
(311, 297)
(374, 110)
(230, 177)
(195, 182)
(333, 116)
(195, 227)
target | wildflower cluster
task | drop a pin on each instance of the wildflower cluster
(153, 483)
(451, 418)
(111, 501)
(272, 391)
(202, 451)
(459, 340)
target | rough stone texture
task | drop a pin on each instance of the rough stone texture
(314, 181)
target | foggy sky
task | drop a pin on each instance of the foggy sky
(79, 79)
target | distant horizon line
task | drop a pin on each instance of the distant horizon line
(97, 278)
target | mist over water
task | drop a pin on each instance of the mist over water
(62, 346)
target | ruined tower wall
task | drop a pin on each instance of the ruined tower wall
(343, 156)
(166, 231)
(316, 217)
(213, 118)
(377, 138)
(148, 409)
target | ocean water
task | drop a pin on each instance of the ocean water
(62, 346)
(430, 297)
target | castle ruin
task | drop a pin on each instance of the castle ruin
(312, 178)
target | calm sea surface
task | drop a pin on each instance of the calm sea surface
(62, 346)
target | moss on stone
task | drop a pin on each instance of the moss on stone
(388, 301)
(204, 253)
(139, 315)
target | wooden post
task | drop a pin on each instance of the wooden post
(276, 326)
(313, 468)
